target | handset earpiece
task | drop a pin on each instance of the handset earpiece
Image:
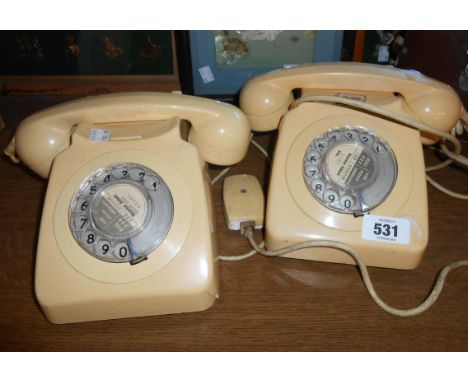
(40, 138)
(438, 107)
(264, 104)
(221, 135)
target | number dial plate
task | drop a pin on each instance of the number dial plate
(349, 169)
(121, 213)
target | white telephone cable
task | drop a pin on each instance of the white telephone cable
(247, 231)
(426, 304)
(441, 188)
(242, 257)
(216, 179)
(392, 115)
(220, 175)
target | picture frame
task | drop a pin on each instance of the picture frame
(226, 82)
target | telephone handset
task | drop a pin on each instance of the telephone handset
(218, 130)
(127, 226)
(347, 173)
(266, 98)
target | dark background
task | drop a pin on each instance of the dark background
(49, 53)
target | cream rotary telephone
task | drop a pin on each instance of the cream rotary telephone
(348, 182)
(343, 174)
(127, 226)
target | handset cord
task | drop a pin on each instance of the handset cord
(247, 232)
(454, 156)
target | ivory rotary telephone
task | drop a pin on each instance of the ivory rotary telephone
(127, 226)
(343, 174)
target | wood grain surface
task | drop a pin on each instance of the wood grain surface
(265, 304)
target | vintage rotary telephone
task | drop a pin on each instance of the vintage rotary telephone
(127, 226)
(348, 182)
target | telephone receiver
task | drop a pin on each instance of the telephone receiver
(344, 173)
(127, 227)
(266, 98)
(219, 131)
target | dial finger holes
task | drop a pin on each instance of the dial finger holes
(349, 169)
(119, 204)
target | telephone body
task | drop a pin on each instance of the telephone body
(339, 172)
(127, 226)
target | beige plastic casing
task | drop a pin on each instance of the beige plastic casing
(243, 201)
(266, 98)
(293, 215)
(220, 131)
(179, 276)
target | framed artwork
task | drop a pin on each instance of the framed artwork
(223, 60)
(83, 62)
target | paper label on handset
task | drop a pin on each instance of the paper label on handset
(352, 96)
(99, 135)
(386, 229)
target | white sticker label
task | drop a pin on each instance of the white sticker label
(413, 74)
(342, 163)
(98, 135)
(383, 54)
(351, 96)
(206, 74)
(128, 202)
(387, 229)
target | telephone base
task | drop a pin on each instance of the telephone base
(294, 215)
(75, 283)
(132, 306)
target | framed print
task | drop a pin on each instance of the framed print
(223, 60)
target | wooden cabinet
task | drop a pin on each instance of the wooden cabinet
(438, 54)
(87, 62)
